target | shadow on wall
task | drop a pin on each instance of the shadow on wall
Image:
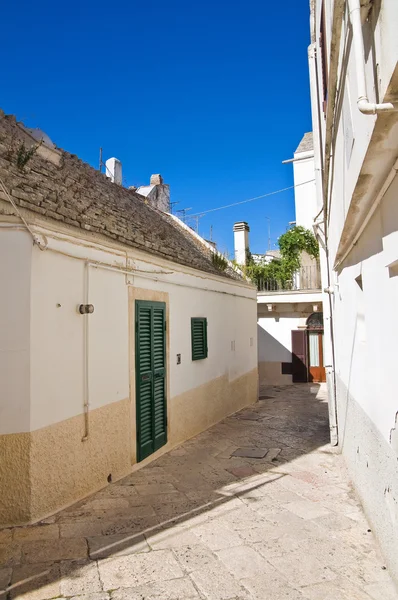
(270, 349)
(147, 510)
(271, 355)
(380, 236)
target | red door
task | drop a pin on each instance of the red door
(316, 369)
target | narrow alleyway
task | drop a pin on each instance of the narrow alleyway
(257, 508)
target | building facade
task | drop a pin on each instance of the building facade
(290, 321)
(354, 96)
(119, 337)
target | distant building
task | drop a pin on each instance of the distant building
(267, 257)
(290, 319)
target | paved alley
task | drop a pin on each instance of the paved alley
(257, 508)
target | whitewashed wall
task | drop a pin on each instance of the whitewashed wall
(366, 324)
(305, 194)
(15, 260)
(50, 287)
(275, 337)
(364, 316)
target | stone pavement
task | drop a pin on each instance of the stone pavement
(259, 507)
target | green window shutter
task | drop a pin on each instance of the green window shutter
(159, 377)
(150, 377)
(199, 338)
(144, 381)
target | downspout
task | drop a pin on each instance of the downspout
(86, 387)
(366, 107)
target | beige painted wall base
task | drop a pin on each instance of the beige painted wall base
(204, 406)
(15, 488)
(270, 374)
(239, 392)
(51, 468)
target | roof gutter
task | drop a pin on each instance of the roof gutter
(366, 107)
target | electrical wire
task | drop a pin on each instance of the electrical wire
(291, 187)
(20, 215)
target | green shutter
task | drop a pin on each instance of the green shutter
(159, 377)
(199, 338)
(150, 377)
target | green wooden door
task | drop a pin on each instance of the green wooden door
(150, 364)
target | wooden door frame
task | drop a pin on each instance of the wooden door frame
(320, 332)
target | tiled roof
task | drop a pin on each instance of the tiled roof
(306, 143)
(59, 186)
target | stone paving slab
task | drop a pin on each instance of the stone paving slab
(250, 452)
(259, 507)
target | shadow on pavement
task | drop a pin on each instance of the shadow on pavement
(177, 495)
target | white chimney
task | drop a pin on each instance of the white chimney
(113, 170)
(241, 242)
(157, 193)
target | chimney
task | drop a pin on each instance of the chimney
(156, 180)
(241, 242)
(157, 193)
(113, 170)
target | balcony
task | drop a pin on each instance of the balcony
(307, 279)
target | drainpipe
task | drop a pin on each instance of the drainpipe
(366, 107)
(86, 387)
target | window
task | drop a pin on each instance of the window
(315, 321)
(199, 338)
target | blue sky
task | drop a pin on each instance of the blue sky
(213, 95)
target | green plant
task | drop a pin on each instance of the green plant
(295, 241)
(24, 155)
(279, 273)
(219, 261)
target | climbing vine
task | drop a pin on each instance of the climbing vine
(279, 273)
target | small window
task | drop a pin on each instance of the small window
(199, 338)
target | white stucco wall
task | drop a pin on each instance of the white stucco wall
(57, 346)
(15, 262)
(365, 327)
(275, 337)
(305, 194)
(365, 320)
(41, 306)
(352, 128)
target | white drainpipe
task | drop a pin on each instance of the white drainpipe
(366, 107)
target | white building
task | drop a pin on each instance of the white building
(119, 336)
(290, 330)
(354, 95)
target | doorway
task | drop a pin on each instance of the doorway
(150, 366)
(316, 365)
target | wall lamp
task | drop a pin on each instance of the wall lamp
(86, 309)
